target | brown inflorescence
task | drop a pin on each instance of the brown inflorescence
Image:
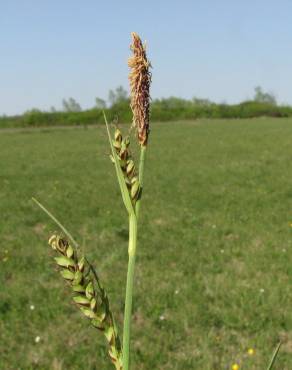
(140, 79)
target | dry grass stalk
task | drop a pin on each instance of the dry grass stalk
(140, 79)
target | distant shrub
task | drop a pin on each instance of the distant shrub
(161, 110)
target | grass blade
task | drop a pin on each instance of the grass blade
(275, 354)
(66, 232)
(121, 180)
(57, 222)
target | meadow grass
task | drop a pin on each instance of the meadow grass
(214, 266)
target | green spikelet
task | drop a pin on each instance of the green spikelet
(88, 294)
(127, 164)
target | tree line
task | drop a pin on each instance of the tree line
(165, 109)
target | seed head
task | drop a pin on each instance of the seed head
(140, 79)
(125, 160)
(88, 294)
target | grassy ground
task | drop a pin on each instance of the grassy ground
(214, 262)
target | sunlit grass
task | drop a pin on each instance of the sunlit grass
(214, 264)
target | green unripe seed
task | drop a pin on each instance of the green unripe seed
(68, 275)
(123, 163)
(118, 135)
(53, 242)
(127, 141)
(78, 288)
(101, 312)
(64, 261)
(93, 304)
(77, 278)
(123, 151)
(69, 252)
(117, 144)
(81, 264)
(89, 290)
(134, 179)
(113, 352)
(109, 333)
(135, 189)
(87, 312)
(130, 166)
(81, 299)
(97, 324)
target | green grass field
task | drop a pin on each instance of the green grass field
(214, 260)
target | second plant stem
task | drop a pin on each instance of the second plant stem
(129, 290)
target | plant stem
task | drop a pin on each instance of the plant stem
(141, 177)
(133, 220)
(129, 290)
(275, 354)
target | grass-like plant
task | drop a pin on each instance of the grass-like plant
(88, 292)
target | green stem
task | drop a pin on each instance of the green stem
(275, 354)
(141, 177)
(133, 220)
(129, 290)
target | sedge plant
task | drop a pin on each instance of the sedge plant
(88, 292)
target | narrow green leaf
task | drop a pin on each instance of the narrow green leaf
(56, 221)
(120, 176)
(275, 354)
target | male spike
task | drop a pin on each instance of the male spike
(140, 79)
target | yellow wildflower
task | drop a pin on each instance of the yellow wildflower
(250, 351)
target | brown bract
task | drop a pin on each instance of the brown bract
(140, 79)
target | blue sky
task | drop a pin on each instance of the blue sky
(211, 49)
